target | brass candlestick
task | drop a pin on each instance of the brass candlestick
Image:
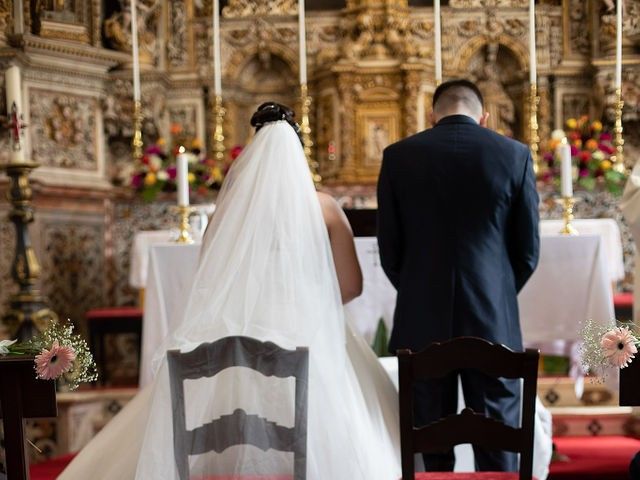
(618, 141)
(137, 130)
(185, 228)
(218, 132)
(534, 139)
(567, 204)
(28, 312)
(305, 129)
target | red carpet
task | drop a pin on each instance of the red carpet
(594, 458)
(50, 469)
(590, 458)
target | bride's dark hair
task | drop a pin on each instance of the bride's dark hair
(273, 112)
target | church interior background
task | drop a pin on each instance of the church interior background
(371, 79)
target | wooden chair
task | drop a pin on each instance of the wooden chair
(440, 359)
(211, 358)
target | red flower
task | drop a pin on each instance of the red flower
(236, 151)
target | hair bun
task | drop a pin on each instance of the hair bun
(272, 112)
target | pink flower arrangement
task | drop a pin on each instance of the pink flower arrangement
(604, 347)
(59, 354)
(619, 346)
(52, 363)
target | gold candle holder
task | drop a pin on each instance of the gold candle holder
(534, 139)
(184, 235)
(567, 204)
(218, 132)
(137, 130)
(618, 141)
(28, 311)
(305, 129)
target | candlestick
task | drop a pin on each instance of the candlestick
(618, 141)
(566, 169)
(532, 43)
(302, 37)
(14, 113)
(619, 44)
(135, 51)
(137, 130)
(218, 132)
(182, 178)
(534, 139)
(305, 129)
(184, 235)
(437, 29)
(28, 312)
(567, 204)
(217, 69)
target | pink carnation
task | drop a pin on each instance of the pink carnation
(52, 363)
(605, 137)
(619, 346)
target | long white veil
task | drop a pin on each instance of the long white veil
(267, 272)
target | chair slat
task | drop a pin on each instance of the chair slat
(239, 428)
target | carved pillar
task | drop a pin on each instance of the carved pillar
(413, 76)
(348, 122)
(544, 109)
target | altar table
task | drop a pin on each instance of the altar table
(570, 285)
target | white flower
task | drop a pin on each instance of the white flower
(163, 176)
(155, 162)
(4, 346)
(191, 157)
(558, 134)
(598, 155)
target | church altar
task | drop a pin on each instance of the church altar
(572, 284)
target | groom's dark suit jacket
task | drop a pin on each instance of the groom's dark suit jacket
(457, 232)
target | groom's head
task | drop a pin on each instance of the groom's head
(457, 97)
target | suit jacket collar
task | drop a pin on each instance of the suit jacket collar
(456, 119)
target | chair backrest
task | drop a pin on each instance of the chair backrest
(440, 359)
(239, 428)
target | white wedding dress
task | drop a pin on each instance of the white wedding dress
(266, 271)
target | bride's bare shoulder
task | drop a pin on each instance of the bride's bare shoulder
(329, 206)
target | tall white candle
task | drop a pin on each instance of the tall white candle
(566, 170)
(135, 52)
(437, 30)
(619, 44)
(182, 178)
(217, 69)
(13, 87)
(302, 36)
(532, 42)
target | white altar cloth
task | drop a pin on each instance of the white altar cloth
(570, 285)
(606, 228)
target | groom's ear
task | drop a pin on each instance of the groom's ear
(433, 119)
(484, 119)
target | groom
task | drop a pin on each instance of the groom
(458, 238)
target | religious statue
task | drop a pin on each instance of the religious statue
(118, 28)
(498, 103)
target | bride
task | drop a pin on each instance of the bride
(277, 263)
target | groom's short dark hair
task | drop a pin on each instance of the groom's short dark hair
(449, 88)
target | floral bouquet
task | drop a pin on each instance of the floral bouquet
(605, 348)
(156, 171)
(591, 151)
(59, 354)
